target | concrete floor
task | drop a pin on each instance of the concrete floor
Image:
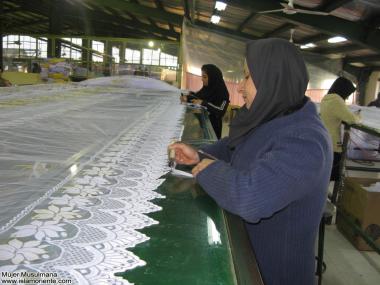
(345, 264)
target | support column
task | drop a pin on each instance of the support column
(51, 48)
(56, 27)
(371, 91)
(363, 78)
(1, 34)
(86, 54)
(122, 52)
(107, 60)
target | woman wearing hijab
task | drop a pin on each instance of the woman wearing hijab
(333, 112)
(376, 102)
(273, 168)
(213, 95)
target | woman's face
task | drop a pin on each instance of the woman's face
(247, 88)
(204, 78)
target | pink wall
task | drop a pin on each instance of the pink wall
(316, 95)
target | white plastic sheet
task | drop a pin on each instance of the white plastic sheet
(79, 164)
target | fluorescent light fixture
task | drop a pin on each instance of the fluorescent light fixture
(309, 45)
(215, 19)
(220, 6)
(151, 44)
(337, 39)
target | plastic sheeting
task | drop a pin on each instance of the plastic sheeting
(79, 164)
(201, 46)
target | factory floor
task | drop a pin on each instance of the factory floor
(345, 264)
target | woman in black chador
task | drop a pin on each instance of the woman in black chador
(213, 95)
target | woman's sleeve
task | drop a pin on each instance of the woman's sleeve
(281, 176)
(220, 150)
(217, 106)
(344, 113)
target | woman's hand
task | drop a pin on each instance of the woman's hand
(202, 165)
(184, 154)
(183, 98)
(197, 101)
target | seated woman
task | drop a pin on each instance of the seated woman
(273, 169)
(213, 95)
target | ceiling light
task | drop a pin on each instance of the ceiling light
(337, 39)
(151, 44)
(309, 45)
(215, 19)
(220, 5)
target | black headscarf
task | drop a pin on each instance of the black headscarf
(343, 87)
(280, 76)
(215, 86)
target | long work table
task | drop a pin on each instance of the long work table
(195, 242)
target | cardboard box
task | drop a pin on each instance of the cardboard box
(362, 207)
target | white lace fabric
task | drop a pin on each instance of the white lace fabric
(78, 181)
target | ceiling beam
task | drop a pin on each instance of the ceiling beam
(11, 10)
(140, 10)
(37, 7)
(104, 20)
(369, 58)
(72, 12)
(313, 39)
(341, 49)
(330, 25)
(27, 24)
(225, 31)
(279, 30)
(331, 5)
(186, 8)
(161, 7)
(250, 18)
(114, 30)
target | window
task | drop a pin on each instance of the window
(97, 58)
(132, 56)
(98, 46)
(19, 46)
(11, 41)
(116, 54)
(77, 41)
(28, 46)
(69, 51)
(151, 57)
(168, 60)
(42, 47)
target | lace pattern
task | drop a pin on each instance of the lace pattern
(81, 228)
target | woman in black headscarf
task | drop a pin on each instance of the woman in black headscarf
(213, 95)
(333, 112)
(376, 102)
(274, 167)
